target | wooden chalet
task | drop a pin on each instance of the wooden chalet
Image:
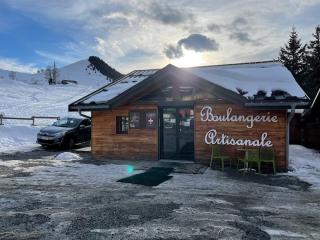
(179, 113)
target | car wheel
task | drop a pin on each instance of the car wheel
(70, 143)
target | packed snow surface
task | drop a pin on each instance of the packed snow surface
(305, 164)
(18, 138)
(67, 156)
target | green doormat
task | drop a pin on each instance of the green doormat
(152, 177)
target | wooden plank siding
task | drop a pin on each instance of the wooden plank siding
(138, 144)
(276, 132)
(142, 144)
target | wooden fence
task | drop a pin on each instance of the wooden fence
(32, 119)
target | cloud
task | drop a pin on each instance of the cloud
(239, 22)
(110, 29)
(172, 51)
(195, 42)
(214, 27)
(14, 65)
(243, 37)
(167, 14)
(199, 43)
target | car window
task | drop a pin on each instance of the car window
(86, 122)
(67, 122)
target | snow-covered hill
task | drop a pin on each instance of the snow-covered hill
(26, 95)
(83, 72)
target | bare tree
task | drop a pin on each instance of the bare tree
(55, 73)
(51, 74)
(48, 75)
(12, 75)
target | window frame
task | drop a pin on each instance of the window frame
(143, 119)
(120, 120)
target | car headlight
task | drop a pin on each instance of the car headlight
(59, 134)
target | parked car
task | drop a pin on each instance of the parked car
(66, 132)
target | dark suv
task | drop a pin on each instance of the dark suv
(66, 132)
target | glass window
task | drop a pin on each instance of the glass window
(135, 119)
(151, 120)
(67, 122)
(122, 124)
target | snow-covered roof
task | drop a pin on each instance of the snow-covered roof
(251, 78)
(244, 79)
(112, 90)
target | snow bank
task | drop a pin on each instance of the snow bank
(18, 138)
(67, 156)
(305, 164)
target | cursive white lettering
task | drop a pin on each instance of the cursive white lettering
(207, 115)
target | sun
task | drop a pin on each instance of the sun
(189, 59)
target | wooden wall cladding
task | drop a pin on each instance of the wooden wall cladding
(276, 132)
(138, 144)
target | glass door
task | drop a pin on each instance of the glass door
(176, 133)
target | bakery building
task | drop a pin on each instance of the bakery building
(180, 113)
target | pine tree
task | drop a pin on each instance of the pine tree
(293, 56)
(313, 61)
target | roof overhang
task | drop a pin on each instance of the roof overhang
(304, 104)
(168, 72)
(157, 78)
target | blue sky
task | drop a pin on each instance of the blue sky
(137, 34)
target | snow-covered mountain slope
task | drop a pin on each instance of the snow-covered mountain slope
(83, 72)
(10, 75)
(21, 99)
(26, 95)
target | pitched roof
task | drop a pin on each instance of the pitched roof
(251, 78)
(244, 80)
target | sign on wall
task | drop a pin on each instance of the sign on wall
(208, 114)
(151, 119)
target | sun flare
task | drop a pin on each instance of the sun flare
(189, 59)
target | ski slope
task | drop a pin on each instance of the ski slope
(82, 71)
(30, 95)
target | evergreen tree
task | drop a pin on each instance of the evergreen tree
(293, 56)
(313, 61)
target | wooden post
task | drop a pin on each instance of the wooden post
(1, 116)
(32, 121)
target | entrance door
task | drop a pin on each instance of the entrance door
(176, 133)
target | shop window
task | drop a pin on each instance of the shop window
(142, 119)
(122, 124)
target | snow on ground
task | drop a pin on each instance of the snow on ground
(305, 164)
(67, 156)
(18, 138)
(70, 171)
(81, 71)
(22, 99)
